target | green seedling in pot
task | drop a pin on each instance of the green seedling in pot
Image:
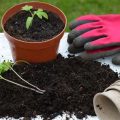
(40, 13)
(8, 65)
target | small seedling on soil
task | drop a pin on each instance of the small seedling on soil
(40, 13)
(7, 65)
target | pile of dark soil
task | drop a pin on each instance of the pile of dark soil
(40, 30)
(70, 85)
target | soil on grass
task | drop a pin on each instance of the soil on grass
(40, 30)
(70, 86)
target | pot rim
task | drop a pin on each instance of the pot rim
(46, 40)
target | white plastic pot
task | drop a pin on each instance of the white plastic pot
(107, 105)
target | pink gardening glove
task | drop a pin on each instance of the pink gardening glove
(98, 35)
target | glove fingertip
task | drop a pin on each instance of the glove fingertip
(74, 50)
(78, 41)
(73, 24)
(71, 49)
(90, 56)
(116, 60)
(88, 46)
(85, 56)
(71, 36)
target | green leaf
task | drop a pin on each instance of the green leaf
(44, 15)
(29, 22)
(41, 14)
(5, 66)
(35, 12)
(27, 8)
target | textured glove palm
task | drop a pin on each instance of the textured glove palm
(95, 36)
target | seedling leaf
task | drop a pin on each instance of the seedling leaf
(5, 66)
(44, 15)
(29, 22)
(40, 13)
(27, 8)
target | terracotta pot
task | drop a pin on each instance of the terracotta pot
(34, 51)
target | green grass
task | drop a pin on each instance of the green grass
(72, 8)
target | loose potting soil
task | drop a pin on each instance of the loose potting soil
(40, 30)
(70, 85)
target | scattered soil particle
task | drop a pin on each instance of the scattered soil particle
(98, 106)
(40, 30)
(70, 86)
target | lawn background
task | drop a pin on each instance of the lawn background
(72, 8)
